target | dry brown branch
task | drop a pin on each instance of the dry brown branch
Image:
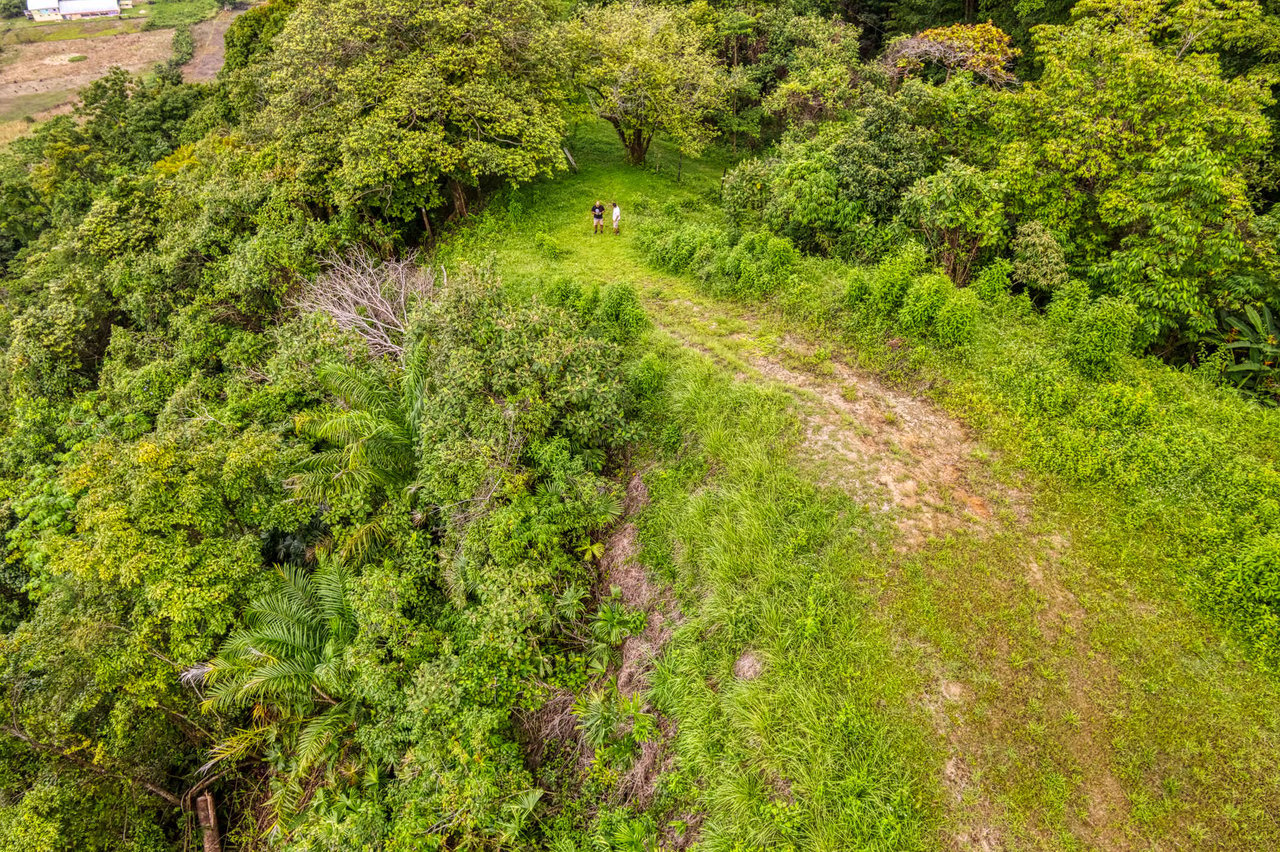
(370, 297)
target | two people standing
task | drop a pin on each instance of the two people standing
(597, 217)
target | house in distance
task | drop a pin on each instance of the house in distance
(71, 10)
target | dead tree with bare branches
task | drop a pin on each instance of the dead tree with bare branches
(370, 297)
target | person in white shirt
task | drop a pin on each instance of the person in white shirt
(617, 216)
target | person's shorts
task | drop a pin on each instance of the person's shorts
(599, 219)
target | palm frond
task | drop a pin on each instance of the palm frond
(357, 387)
(319, 734)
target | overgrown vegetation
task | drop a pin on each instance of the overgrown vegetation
(352, 498)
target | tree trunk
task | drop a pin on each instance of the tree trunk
(459, 199)
(637, 148)
(208, 815)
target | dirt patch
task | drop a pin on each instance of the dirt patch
(622, 570)
(210, 48)
(893, 452)
(747, 667)
(638, 785)
(551, 726)
(45, 66)
(889, 450)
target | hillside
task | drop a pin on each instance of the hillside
(1016, 649)
(901, 475)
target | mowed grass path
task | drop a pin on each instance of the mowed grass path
(1028, 677)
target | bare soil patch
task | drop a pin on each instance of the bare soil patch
(46, 67)
(748, 666)
(211, 49)
(889, 450)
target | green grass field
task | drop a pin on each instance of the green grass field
(23, 31)
(17, 108)
(992, 659)
(158, 14)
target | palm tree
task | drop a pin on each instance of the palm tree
(373, 436)
(288, 664)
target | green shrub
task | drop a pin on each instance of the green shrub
(620, 313)
(684, 248)
(991, 285)
(879, 294)
(548, 246)
(1250, 354)
(957, 318)
(1038, 261)
(646, 379)
(1100, 334)
(925, 297)
(79, 57)
(184, 46)
(1069, 300)
(1244, 588)
(745, 191)
(759, 264)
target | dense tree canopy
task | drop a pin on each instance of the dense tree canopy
(300, 518)
(647, 69)
(400, 107)
(1135, 148)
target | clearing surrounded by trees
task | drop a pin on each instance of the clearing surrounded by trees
(903, 475)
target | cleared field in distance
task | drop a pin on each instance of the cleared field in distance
(41, 76)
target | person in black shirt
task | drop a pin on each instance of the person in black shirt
(597, 214)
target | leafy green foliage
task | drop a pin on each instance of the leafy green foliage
(1157, 202)
(959, 210)
(288, 662)
(1099, 334)
(252, 35)
(957, 319)
(1254, 339)
(184, 46)
(645, 69)
(374, 440)
(924, 299)
(1038, 261)
(423, 101)
(831, 193)
(179, 436)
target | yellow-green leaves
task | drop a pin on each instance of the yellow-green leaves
(399, 106)
(648, 69)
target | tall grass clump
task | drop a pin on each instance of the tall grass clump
(779, 675)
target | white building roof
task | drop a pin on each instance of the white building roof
(41, 5)
(82, 7)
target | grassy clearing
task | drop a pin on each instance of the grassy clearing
(1034, 681)
(29, 32)
(789, 710)
(175, 13)
(17, 108)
